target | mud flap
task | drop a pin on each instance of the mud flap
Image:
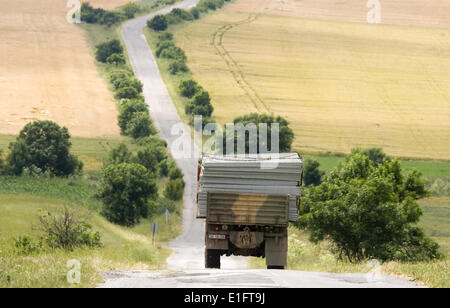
(276, 250)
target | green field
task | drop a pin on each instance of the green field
(341, 85)
(431, 169)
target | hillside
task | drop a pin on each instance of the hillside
(340, 84)
(47, 71)
(123, 248)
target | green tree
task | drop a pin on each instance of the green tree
(158, 23)
(148, 157)
(188, 88)
(127, 112)
(286, 135)
(119, 155)
(178, 66)
(44, 145)
(165, 36)
(195, 13)
(376, 155)
(368, 212)
(163, 45)
(127, 93)
(140, 126)
(116, 59)
(175, 173)
(2, 163)
(131, 9)
(174, 189)
(173, 52)
(107, 49)
(125, 191)
(118, 77)
(129, 82)
(164, 167)
(312, 175)
(200, 104)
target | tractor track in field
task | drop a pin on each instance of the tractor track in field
(233, 65)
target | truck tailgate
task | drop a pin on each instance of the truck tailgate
(252, 209)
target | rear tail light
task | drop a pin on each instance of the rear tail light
(217, 228)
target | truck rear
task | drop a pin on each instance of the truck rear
(248, 203)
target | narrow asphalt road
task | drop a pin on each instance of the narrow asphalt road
(185, 268)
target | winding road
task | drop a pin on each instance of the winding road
(185, 268)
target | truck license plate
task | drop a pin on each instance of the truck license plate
(217, 236)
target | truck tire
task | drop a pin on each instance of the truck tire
(212, 258)
(278, 267)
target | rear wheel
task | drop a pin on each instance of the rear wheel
(212, 258)
(278, 267)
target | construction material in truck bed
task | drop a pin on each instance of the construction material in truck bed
(267, 174)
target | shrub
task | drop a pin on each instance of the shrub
(174, 189)
(188, 88)
(45, 145)
(140, 126)
(130, 82)
(128, 111)
(195, 12)
(376, 155)
(98, 16)
(368, 212)
(165, 36)
(163, 204)
(2, 163)
(127, 93)
(119, 76)
(200, 104)
(175, 173)
(125, 192)
(440, 188)
(178, 15)
(110, 18)
(116, 59)
(68, 229)
(25, 245)
(119, 155)
(312, 175)
(158, 23)
(148, 157)
(173, 52)
(107, 49)
(152, 141)
(163, 167)
(131, 9)
(178, 66)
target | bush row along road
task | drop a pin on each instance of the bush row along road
(185, 266)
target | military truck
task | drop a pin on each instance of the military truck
(247, 203)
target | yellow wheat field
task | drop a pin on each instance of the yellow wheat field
(340, 84)
(47, 70)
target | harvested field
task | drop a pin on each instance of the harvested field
(47, 71)
(340, 84)
(430, 13)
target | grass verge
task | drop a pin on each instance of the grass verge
(123, 248)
